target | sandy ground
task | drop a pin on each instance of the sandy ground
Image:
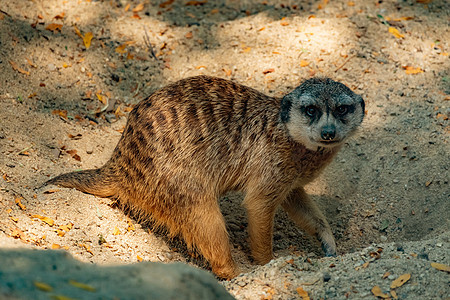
(64, 100)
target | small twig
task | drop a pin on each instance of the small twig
(343, 64)
(4, 12)
(149, 44)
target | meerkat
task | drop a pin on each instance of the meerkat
(196, 139)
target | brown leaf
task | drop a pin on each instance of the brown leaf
(400, 280)
(166, 3)
(54, 27)
(75, 137)
(377, 292)
(441, 267)
(60, 16)
(18, 69)
(189, 35)
(271, 70)
(60, 112)
(196, 3)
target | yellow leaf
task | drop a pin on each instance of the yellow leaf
(87, 39)
(377, 292)
(350, 3)
(22, 207)
(400, 280)
(61, 297)
(131, 226)
(77, 31)
(65, 65)
(394, 294)
(116, 231)
(44, 219)
(100, 98)
(56, 246)
(14, 219)
(121, 49)
(42, 286)
(83, 286)
(302, 293)
(411, 70)
(127, 7)
(440, 267)
(138, 8)
(395, 32)
(247, 49)
(139, 258)
(303, 63)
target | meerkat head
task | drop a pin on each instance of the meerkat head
(321, 113)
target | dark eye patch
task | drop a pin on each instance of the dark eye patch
(311, 111)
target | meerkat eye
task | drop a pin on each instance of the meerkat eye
(311, 111)
(342, 110)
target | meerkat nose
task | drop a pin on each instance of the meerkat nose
(328, 132)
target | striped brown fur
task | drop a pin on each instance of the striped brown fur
(196, 139)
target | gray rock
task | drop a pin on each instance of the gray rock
(35, 274)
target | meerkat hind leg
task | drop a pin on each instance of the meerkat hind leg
(305, 213)
(206, 230)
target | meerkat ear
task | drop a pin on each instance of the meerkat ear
(361, 101)
(286, 104)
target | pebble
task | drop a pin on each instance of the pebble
(383, 238)
(51, 67)
(326, 277)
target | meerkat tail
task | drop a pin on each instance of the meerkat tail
(95, 181)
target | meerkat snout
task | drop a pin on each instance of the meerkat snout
(322, 113)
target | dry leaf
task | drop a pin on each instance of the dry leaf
(350, 3)
(227, 72)
(18, 69)
(60, 16)
(87, 38)
(116, 231)
(127, 7)
(196, 3)
(22, 207)
(54, 27)
(385, 275)
(440, 267)
(268, 71)
(424, 1)
(88, 249)
(138, 8)
(139, 258)
(303, 63)
(77, 31)
(83, 286)
(395, 32)
(42, 286)
(411, 70)
(302, 293)
(247, 49)
(60, 112)
(55, 246)
(166, 3)
(214, 11)
(377, 292)
(44, 219)
(121, 49)
(189, 35)
(400, 280)
(131, 226)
